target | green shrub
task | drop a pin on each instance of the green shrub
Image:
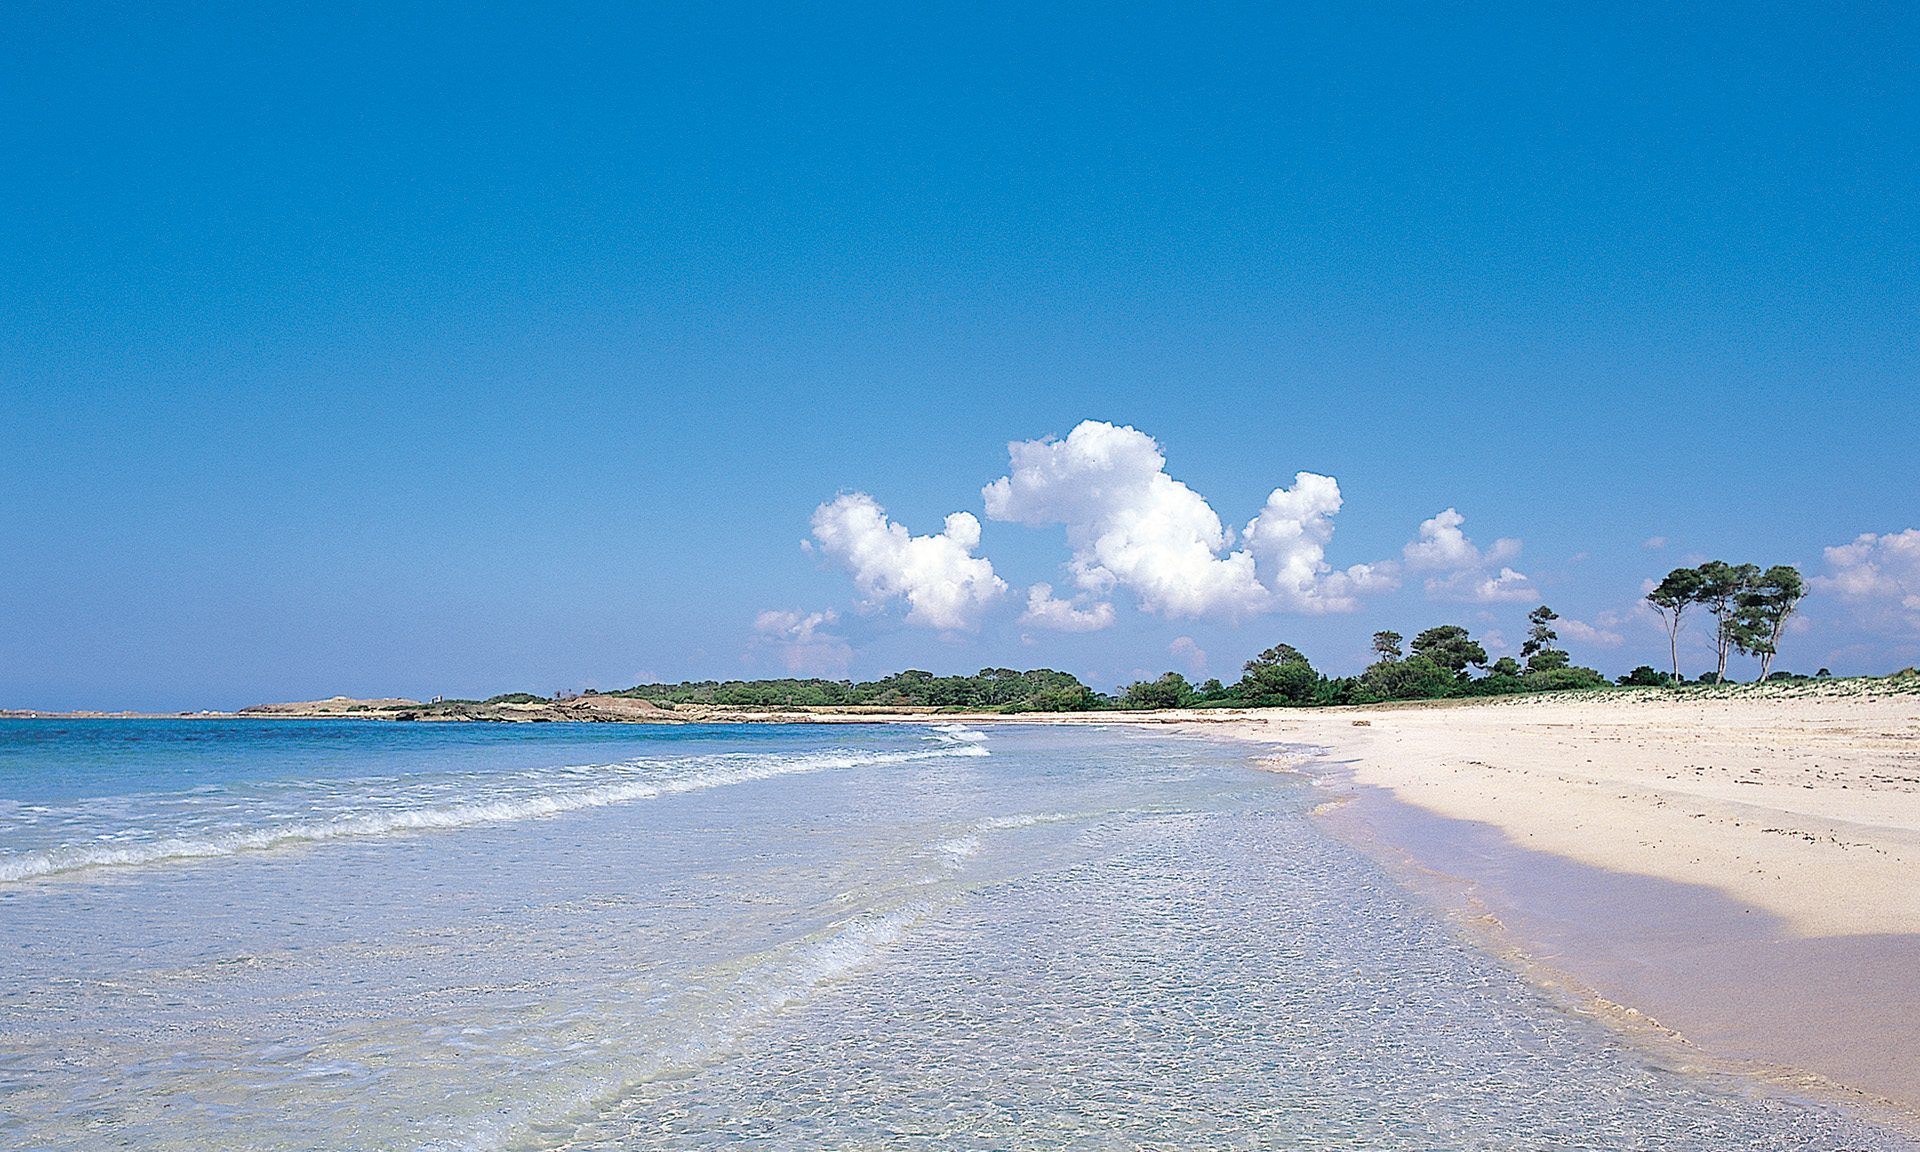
(1169, 691)
(1498, 683)
(1415, 678)
(1646, 676)
(1563, 679)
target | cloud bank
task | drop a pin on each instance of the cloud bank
(1130, 525)
(1586, 633)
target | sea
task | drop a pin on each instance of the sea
(265, 934)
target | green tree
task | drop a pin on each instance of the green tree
(1746, 636)
(1415, 678)
(1538, 651)
(1764, 609)
(1281, 671)
(1169, 691)
(1561, 679)
(1386, 645)
(1331, 693)
(1677, 593)
(1449, 646)
(1722, 585)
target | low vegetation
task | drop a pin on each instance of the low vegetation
(1750, 609)
(1440, 664)
(1001, 689)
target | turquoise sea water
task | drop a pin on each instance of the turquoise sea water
(356, 935)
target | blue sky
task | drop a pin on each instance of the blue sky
(413, 349)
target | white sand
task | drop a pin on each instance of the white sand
(1806, 806)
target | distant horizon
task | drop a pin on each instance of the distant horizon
(1731, 681)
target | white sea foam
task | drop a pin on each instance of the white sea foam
(1025, 820)
(549, 792)
(958, 849)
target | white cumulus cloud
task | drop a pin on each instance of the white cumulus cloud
(1462, 571)
(1879, 576)
(1044, 611)
(944, 584)
(1587, 633)
(1132, 525)
(1474, 586)
(1288, 540)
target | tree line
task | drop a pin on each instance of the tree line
(1438, 663)
(1035, 690)
(1750, 608)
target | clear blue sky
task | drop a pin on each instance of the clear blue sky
(415, 349)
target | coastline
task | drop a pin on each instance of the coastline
(594, 709)
(1733, 881)
(1732, 877)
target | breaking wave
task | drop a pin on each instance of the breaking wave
(531, 795)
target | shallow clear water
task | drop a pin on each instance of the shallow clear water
(361, 935)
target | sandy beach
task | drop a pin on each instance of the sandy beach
(1736, 872)
(1731, 875)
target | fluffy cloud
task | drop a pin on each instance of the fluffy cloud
(1127, 521)
(1462, 571)
(1061, 615)
(1131, 525)
(1879, 576)
(1288, 540)
(803, 647)
(1587, 633)
(1441, 544)
(944, 584)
